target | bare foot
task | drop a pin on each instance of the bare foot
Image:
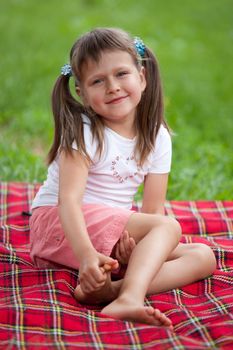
(106, 294)
(128, 311)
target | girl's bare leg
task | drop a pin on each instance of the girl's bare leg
(186, 264)
(148, 231)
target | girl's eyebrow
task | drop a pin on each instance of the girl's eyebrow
(101, 73)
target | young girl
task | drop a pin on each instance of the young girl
(108, 141)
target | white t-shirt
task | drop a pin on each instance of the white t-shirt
(114, 178)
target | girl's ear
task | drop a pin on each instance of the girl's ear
(78, 91)
(80, 94)
(143, 78)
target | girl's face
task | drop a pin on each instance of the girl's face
(113, 86)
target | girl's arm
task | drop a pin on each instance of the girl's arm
(73, 172)
(154, 195)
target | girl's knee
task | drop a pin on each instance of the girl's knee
(206, 258)
(168, 225)
(176, 226)
(172, 224)
(140, 224)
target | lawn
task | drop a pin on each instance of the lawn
(193, 40)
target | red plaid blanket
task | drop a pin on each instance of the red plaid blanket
(38, 310)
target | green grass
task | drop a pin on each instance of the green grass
(193, 41)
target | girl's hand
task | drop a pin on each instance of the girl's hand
(93, 271)
(124, 248)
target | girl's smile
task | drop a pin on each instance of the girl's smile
(117, 100)
(113, 87)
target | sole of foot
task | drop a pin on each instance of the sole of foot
(137, 313)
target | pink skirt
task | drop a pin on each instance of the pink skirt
(49, 246)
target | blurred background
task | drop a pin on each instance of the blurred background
(193, 41)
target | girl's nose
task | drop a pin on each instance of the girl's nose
(112, 86)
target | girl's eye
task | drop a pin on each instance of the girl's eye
(122, 73)
(96, 81)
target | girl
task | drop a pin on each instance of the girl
(107, 142)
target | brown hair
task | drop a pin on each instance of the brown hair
(67, 110)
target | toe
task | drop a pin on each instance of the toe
(162, 318)
(150, 310)
(165, 320)
(78, 293)
(159, 315)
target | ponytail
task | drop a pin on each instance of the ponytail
(150, 111)
(68, 122)
(67, 118)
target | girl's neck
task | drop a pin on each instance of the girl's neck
(125, 129)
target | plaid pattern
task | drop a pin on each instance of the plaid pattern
(38, 310)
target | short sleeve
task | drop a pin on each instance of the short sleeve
(90, 143)
(162, 155)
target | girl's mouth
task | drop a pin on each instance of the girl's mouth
(116, 100)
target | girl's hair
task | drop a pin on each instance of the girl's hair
(67, 110)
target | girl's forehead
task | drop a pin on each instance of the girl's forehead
(107, 59)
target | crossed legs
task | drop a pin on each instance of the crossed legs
(158, 263)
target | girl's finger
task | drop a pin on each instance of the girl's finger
(117, 251)
(125, 236)
(132, 243)
(123, 245)
(93, 276)
(103, 259)
(89, 286)
(86, 286)
(119, 256)
(106, 268)
(127, 245)
(122, 252)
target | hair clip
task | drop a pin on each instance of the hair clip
(139, 46)
(66, 70)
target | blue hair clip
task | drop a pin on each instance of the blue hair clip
(139, 46)
(66, 70)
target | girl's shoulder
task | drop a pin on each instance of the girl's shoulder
(90, 142)
(160, 157)
(163, 136)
